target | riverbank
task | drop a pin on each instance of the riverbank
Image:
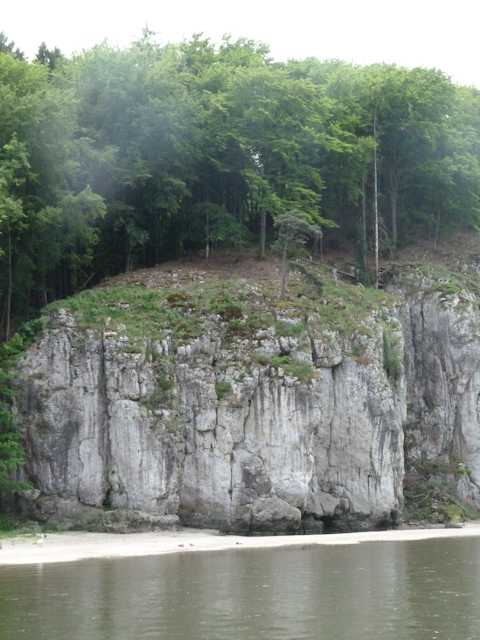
(72, 546)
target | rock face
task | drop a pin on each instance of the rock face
(290, 428)
(257, 433)
(442, 349)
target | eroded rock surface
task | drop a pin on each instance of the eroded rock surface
(442, 340)
(212, 433)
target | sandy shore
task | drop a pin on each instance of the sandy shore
(69, 547)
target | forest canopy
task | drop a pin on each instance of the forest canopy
(117, 158)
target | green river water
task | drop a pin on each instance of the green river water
(383, 590)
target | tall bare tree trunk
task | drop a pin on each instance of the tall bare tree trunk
(393, 199)
(9, 287)
(364, 228)
(156, 248)
(436, 231)
(283, 289)
(316, 245)
(375, 198)
(394, 208)
(263, 233)
(207, 235)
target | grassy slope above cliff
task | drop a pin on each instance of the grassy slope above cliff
(176, 299)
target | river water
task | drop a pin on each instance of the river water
(383, 590)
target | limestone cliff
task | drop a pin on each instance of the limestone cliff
(291, 421)
(441, 327)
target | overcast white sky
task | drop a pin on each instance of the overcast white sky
(433, 33)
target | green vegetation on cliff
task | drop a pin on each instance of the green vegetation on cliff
(431, 495)
(181, 308)
(12, 454)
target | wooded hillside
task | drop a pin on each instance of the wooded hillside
(115, 159)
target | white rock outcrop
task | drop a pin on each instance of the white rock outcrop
(205, 433)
